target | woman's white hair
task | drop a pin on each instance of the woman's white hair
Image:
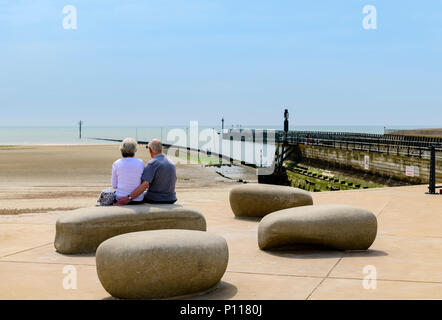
(128, 147)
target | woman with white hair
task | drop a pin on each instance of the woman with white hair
(127, 172)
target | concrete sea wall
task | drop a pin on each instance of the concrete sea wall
(409, 169)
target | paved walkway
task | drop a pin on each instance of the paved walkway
(407, 254)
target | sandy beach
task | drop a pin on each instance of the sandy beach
(37, 179)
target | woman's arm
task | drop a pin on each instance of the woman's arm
(114, 180)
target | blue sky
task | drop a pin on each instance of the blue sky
(166, 62)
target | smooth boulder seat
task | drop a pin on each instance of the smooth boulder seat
(161, 264)
(258, 200)
(82, 230)
(340, 227)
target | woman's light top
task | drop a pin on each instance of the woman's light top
(126, 176)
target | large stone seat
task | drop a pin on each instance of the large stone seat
(82, 230)
(336, 226)
(258, 200)
(161, 263)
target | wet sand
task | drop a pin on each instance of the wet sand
(37, 179)
(435, 132)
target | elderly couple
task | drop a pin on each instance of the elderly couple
(131, 179)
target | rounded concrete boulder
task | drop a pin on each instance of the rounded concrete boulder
(161, 263)
(82, 230)
(258, 200)
(340, 227)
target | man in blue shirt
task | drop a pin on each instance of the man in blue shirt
(159, 178)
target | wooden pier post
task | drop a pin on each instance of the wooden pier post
(80, 124)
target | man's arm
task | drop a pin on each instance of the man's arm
(134, 194)
(138, 191)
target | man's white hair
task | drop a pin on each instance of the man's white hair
(128, 147)
(156, 146)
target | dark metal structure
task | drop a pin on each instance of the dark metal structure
(283, 150)
(286, 124)
(432, 185)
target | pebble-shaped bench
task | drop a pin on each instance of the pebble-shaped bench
(82, 230)
(340, 227)
(258, 200)
(161, 264)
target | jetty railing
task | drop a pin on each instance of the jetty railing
(400, 145)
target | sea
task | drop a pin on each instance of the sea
(70, 135)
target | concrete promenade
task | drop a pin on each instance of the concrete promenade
(407, 253)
